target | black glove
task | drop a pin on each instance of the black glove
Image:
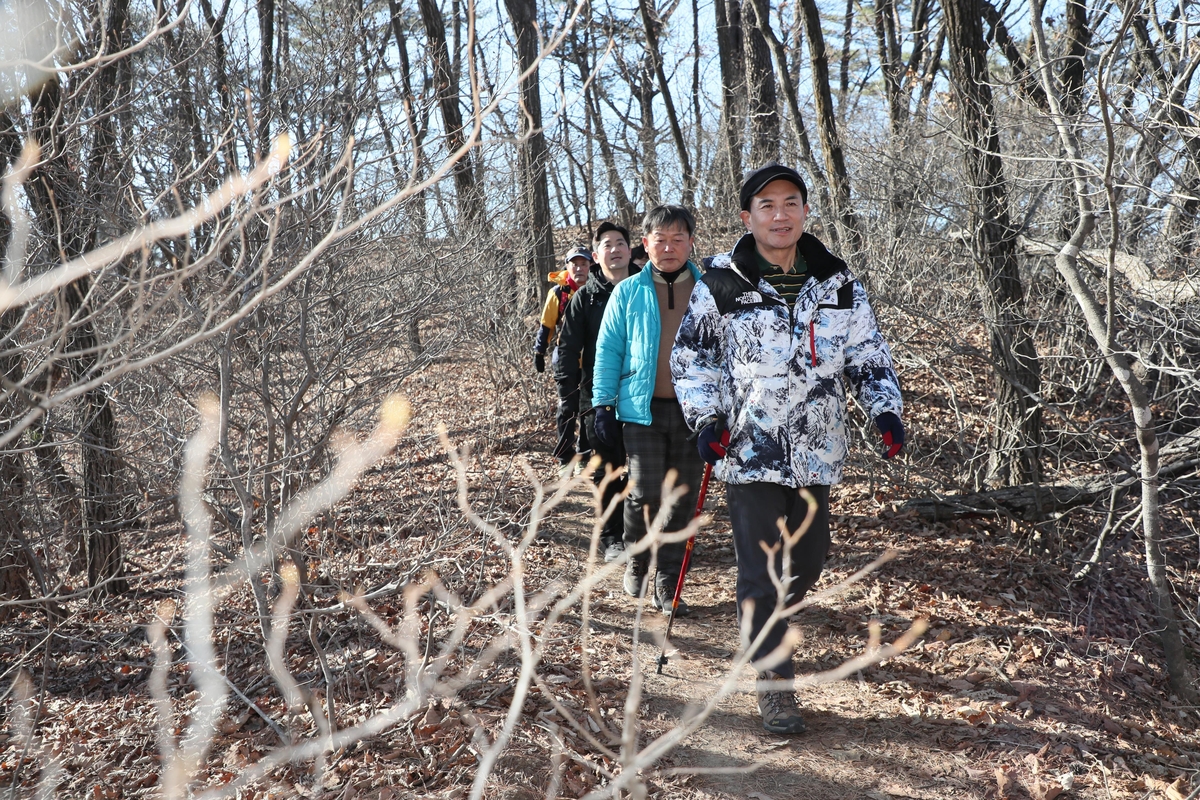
(712, 440)
(539, 362)
(893, 433)
(608, 429)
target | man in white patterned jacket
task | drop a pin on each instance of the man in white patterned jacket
(774, 332)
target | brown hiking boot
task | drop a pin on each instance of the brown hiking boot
(778, 708)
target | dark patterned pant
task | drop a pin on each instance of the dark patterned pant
(652, 451)
(754, 511)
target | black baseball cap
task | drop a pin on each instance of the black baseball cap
(756, 180)
(579, 252)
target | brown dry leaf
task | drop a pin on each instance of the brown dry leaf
(1178, 790)
(1047, 792)
(433, 716)
(1113, 727)
(234, 758)
(1004, 782)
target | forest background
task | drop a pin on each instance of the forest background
(233, 232)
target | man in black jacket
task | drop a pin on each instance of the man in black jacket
(577, 354)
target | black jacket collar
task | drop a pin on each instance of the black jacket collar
(597, 276)
(821, 263)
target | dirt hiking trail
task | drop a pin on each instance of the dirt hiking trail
(1002, 697)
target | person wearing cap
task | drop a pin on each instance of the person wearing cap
(774, 334)
(635, 401)
(577, 356)
(564, 283)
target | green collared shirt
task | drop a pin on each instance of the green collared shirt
(786, 283)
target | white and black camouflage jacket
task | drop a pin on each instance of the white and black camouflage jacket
(776, 373)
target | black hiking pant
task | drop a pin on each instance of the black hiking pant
(614, 527)
(754, 512)
(564, 418)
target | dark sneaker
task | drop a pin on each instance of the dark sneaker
(613, 550)
(663, 600)
(778, 708)
(635, 577)
(664, 595)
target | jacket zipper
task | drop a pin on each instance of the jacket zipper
(812, 342)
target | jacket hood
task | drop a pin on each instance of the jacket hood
(822, 264)
(559, 277)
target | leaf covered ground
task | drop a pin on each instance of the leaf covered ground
(1024, 685)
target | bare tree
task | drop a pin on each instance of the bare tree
(471, 208)
(597, 125)
(731, 56)
(64, 215)
(1016, 425)
(653, 21)
(537, 227)
(1101, 325)
(762, 101)
(846, 220)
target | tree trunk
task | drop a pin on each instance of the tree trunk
(844, 63)
(1026, 81)
(14, 564)
(728, 176)
(761, 98)
(625, 210)
(696, 96)
(537, 228)
(891, 66)
(1016, 429)
(651, 24)
(648, 136)
(1078, 36)
(266, 78)
(471, 208)
(418, 127)
(849, 235)
(14, 559)
(57, 197)
(760, 11)
(1178, 670)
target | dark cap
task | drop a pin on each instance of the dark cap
(756, 180)
(579, 252)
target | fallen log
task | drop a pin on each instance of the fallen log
(1030, 502)
(1141, 277)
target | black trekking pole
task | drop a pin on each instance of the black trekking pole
(687, 560)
